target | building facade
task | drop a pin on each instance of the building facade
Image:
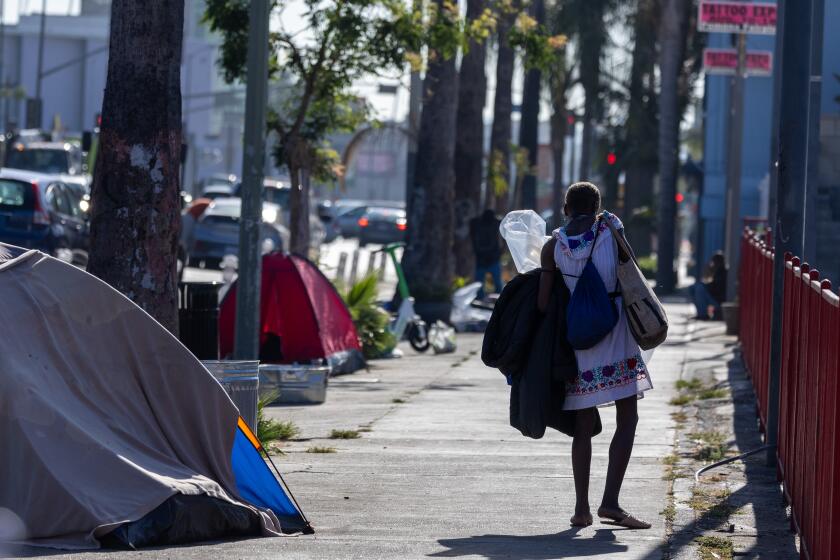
(73, 83)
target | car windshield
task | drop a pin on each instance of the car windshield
(43, 160)
(16, 195)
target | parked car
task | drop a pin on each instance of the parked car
(382, 225)
(274, 191)
(218, 191)
(348, 221)
(216, 179)
(45, 157)
(216, 234)
(277, 191)
(42, 212)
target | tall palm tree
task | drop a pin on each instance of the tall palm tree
(428, 259)
(529, 123)
(672, 34)
(640, 151)
(469, 143)
(559, 80)
(135, 201)
(591, 36)
(500, 135)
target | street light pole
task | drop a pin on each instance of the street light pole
(794, 34)
(38, 116)
(733, 169)
(253, 160)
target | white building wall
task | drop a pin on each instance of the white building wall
(212, 117)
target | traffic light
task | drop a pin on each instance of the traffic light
(611, 158)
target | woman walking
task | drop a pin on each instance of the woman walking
(611, 371)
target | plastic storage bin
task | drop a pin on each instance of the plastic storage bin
(241, 381)
(295, 383)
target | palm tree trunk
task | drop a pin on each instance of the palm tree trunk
(641, 140)
(469, 145)
(428, 258)
(500, 135)
(529, 125)
(135, 197)
(559, 124)
(592, 38)
(672, 49)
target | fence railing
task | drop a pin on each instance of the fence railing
(809, 391)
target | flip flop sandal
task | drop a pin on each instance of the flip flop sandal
(627, 521)
(582, 521)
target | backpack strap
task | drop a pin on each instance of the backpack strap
(591, 249)
(595, 239)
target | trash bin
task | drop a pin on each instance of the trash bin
(198, 318)
(241, 381)
(295, 383)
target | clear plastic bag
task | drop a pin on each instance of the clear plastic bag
(524, 233)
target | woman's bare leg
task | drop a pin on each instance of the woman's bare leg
(620, 450)
(581, 461)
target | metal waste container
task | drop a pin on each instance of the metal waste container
(295, 383)
(198, 318)
(241, 380)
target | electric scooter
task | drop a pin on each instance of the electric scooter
(407, 323)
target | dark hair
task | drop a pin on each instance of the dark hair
(718, 261)
(583, 198)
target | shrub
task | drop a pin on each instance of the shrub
(371, 321)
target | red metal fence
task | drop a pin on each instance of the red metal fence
(809, 391)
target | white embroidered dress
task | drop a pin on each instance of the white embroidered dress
(613, 369)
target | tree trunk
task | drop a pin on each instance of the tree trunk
(500, 135)
(529, 125)
(299, 212)
(428, 258)
(135, 197)
(559, 124)
(672, 48)
(592, 35)
(469, 145)
(641, 139)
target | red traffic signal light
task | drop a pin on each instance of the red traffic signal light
(679, 197)
(611, 158)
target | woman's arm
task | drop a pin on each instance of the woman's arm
(547, 275)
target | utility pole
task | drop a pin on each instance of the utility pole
(809, 235)
(247, 344)
(4, 119)
(37, 114)
(793, 71)
(733, 169)
(415, 103)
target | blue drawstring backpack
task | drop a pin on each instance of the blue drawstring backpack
(591, 313)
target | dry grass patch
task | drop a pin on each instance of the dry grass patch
(345, 434)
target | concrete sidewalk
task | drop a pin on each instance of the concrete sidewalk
(438, 472)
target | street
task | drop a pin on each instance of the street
(329, 263)
(438, 472)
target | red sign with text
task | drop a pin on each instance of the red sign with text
(737, 17)
(725, 61)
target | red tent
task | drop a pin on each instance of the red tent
(301, 312)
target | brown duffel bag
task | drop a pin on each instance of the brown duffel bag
(645, 313)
